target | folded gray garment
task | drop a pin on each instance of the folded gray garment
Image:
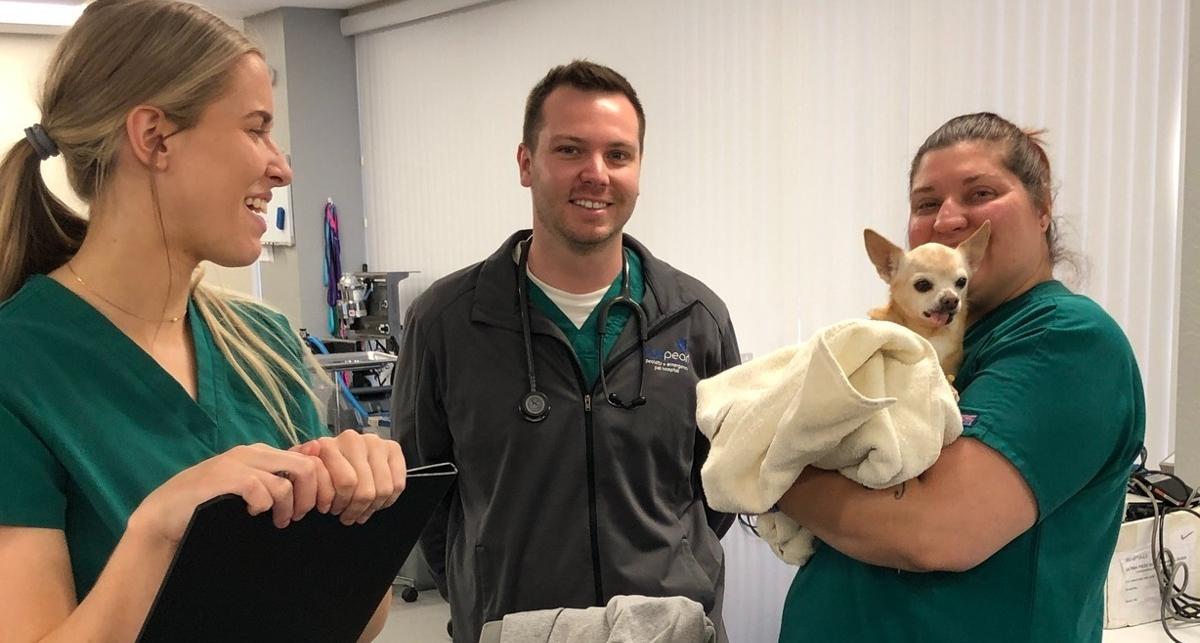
(626, 619)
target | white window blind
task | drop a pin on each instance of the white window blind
(778, 130)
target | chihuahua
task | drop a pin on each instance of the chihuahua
(928, 289)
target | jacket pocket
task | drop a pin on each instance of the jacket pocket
(484, 591)
(704, 586)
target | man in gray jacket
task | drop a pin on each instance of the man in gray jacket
(559, 375)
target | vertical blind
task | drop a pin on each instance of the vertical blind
(776, 131)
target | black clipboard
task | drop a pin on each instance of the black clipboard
(237, 577)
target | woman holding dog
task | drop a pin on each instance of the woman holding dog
(1008, 536)
(129, 391)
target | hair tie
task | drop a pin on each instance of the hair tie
(42, 144)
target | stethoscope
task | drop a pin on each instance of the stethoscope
(535, 406)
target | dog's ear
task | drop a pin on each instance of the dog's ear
(883, 253)
(974, 247)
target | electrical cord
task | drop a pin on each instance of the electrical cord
(1141, 463)
(359, 412)
(1172, 575)
(749, 521)
(380, 378)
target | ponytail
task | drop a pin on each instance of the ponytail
(38, 232)
(178, 57)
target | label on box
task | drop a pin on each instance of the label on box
(1133, 594)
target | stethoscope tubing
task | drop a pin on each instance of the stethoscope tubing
(535, 405)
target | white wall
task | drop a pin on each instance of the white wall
(1187, 442)
(23, 60)
(776, 131)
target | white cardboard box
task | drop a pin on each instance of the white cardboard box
(1131, 594)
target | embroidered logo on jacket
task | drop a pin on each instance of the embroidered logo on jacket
(675, 360)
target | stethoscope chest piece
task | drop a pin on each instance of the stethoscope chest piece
(535, 406)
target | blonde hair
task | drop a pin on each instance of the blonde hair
(120, 54)
(251, 357)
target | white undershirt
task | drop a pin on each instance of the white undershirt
(577, 308)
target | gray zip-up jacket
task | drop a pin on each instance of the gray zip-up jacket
(594, 501)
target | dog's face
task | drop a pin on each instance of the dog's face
(929, 283)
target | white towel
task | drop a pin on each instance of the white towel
(626, 619)
(866, 398)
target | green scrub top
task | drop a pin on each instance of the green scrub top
(583, 339)
(1050, 382)
(90, 424)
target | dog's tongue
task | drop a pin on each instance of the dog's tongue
(941, 319)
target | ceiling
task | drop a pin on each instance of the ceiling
(244, 8)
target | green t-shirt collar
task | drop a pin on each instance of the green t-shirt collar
(583, 339)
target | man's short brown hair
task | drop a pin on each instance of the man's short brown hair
(585, 76)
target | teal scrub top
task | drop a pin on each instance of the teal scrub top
(1050, 382)
(583, 339)
(90, 424)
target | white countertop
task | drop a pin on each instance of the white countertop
(1152, 633)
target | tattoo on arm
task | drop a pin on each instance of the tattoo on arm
(900, 490)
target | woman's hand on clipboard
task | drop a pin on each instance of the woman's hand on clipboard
(351, 476)
(289, 484)
(367, 473)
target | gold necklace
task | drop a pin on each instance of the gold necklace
(170, 320)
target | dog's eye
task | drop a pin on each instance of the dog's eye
(961, 283)
(923, 285)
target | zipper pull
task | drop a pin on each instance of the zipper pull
(587, 403)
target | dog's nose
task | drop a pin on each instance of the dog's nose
(950, 302)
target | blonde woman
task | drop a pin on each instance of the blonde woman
(130, 393)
